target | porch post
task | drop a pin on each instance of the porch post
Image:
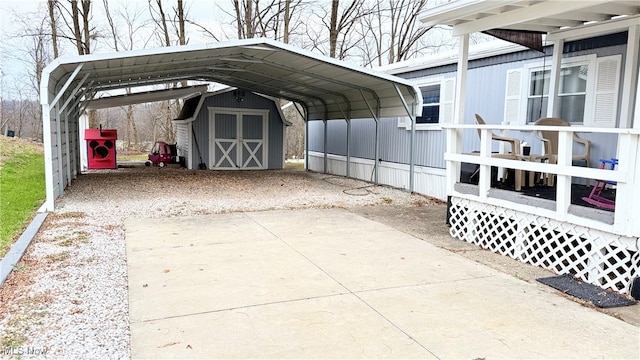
(629, 79)
(553, 109)
(628, 192)
(454, 135)
(563, 183)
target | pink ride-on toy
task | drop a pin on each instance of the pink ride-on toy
(595, 197)
(161, 154)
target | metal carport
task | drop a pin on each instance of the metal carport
(325, 87)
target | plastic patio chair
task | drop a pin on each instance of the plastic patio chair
(513, 155)
(550, 141)
(595, 197)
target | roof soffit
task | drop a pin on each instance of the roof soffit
(548, 16)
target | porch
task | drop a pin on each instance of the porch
(557, 235)
(549, 226)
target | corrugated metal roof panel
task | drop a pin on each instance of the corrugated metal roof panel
(327, 87)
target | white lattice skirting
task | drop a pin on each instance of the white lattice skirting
(603, 259)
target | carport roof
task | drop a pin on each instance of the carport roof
(329, 88)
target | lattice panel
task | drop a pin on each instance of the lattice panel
(596, 257)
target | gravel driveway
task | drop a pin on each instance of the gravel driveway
(68, 296)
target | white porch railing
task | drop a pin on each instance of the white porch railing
(603, 253)
(627, 174)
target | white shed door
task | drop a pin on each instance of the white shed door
(238, 140)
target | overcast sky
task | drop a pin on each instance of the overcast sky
(13, 67)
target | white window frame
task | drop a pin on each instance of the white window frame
(405, 121)
(590, 60)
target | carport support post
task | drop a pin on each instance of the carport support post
(67, 147)
(348, 147)
(375, 116)
(412, 116)
(324, 121)
(306, 142)
(48, 156)
(59, 147)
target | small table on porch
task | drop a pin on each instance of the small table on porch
(530, 180)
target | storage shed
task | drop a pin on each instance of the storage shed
(232, 129)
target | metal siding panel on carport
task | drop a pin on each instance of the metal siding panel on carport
(316, 136)
(363, 139)
(276, 141)
(337, 137)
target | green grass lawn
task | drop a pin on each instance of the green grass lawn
(132, 157)
(22, 191)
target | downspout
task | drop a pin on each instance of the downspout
(412, 116)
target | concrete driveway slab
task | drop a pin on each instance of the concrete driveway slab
(215, 272)
(326, 283)
(500, 317)
(367, 255)
(155, 233)
(334, 327)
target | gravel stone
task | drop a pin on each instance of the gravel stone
(72, 299)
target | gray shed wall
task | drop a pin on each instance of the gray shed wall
(251, 101)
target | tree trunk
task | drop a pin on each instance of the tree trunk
(75, 14)
(163, 24)
(181, 34)
(54, 27)
(86, 9)
(248, 19)
(236, 7)
(111, 24)
(333, 29)
(287, 8)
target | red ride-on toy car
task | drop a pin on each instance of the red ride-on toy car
(162, 154)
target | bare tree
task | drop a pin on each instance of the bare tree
(340, 25)
(160, 17)
(405, 28)
(126, 41)
(271, 19)
(51, 5)
(35, 54)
